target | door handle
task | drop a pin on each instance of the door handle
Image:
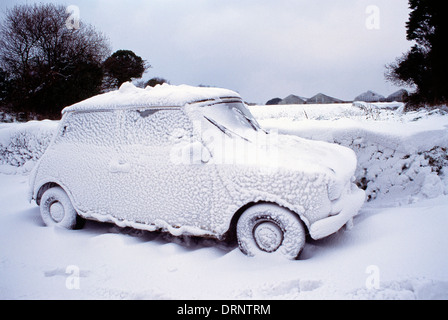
(117, 166)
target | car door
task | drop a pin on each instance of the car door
(159, 178)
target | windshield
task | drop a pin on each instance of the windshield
(231, 118)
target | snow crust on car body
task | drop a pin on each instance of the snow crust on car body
(113, 154)
(164, 95)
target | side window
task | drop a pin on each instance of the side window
(155, 127)
(95, 128)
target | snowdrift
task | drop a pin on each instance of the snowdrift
(402, 157)
(22, 144)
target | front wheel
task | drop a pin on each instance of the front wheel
(56, 209)
(269, 228)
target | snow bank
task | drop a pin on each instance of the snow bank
(402, 157)
(22, 144)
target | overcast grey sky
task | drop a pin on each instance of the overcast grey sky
(260, 48)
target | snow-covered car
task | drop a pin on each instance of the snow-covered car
(193, 161)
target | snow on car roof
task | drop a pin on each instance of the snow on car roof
(164, 95)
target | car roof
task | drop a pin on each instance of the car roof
(129, 96)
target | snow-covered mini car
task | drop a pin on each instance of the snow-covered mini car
(193, 161)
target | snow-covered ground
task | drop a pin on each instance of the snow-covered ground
(396, 248)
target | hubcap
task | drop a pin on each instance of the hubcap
(268, 236)
(57, 211)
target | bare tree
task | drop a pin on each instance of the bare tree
(49, 65)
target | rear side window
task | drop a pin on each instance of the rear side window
(96, 128)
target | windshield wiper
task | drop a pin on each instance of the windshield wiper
(226, 131)
(252, 124)
(220, 127)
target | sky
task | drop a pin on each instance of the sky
(261, 48)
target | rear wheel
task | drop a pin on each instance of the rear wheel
(269, 228)
(56, 209)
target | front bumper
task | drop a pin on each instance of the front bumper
(347, 206)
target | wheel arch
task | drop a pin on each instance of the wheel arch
(230, 235)
(44, 188)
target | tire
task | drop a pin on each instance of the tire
(56, 209)
(269, 228)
